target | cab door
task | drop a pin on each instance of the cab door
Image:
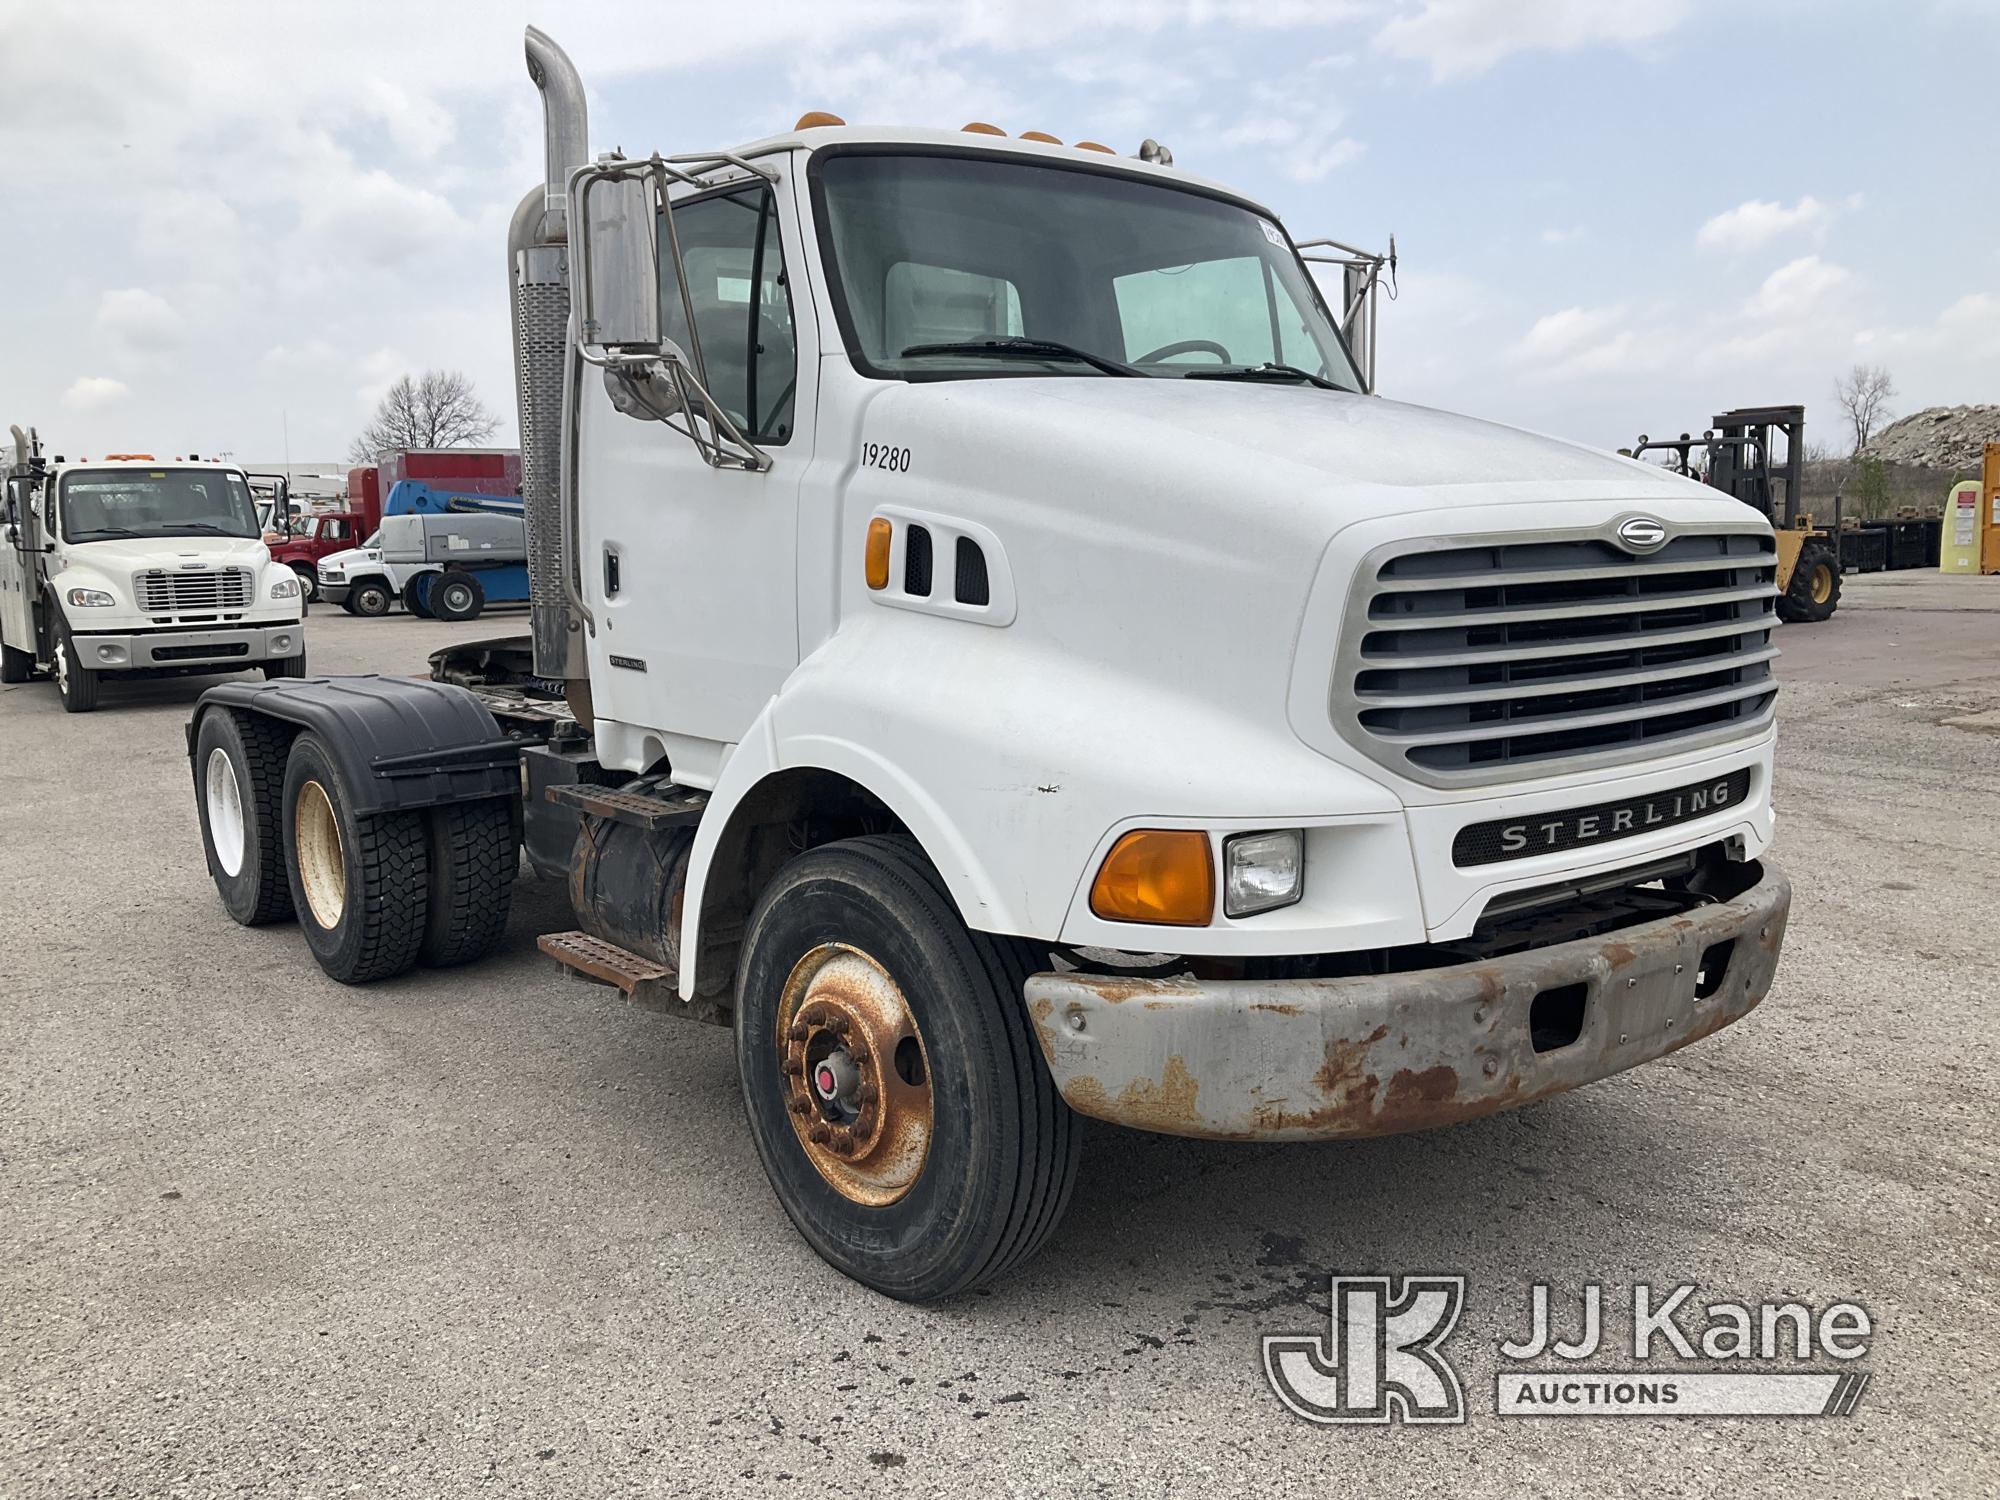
(689, 571)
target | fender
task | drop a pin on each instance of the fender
(400, 742)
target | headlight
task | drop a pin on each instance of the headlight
(90, 598)
(285, 588)
(331, 575)
(1262, 871)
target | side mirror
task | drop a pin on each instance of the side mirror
(616, 209)
(616, 220)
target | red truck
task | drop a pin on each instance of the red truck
(480, 471)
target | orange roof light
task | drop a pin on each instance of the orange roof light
(1040, 135)
(1094, 146)
(812, 119)
(980, 127)
(880, 532)
(1164, 876)
(112, 458)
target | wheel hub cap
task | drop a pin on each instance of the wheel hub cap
(855, 1075)
(225, 812)
(322, 865)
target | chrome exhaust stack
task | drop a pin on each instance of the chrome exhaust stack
(545, 357)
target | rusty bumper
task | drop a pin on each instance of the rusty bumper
(1319, 1058)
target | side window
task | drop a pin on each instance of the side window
(334, 531)
(1224, 305)
(936, 305)
(741, 307)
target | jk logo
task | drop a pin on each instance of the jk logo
(1379, 1362)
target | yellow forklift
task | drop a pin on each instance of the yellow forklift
(1740, 460)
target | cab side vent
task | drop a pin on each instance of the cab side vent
(917, 562)
(972, 586)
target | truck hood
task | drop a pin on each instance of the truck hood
(1294, 436)
(131, 556)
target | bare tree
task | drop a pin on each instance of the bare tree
(439, 409)
(1864, 393)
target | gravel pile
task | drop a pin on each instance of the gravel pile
(1939, 437)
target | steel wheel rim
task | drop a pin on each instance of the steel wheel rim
(870, 1135)
(458, 597)
(62, 667)
(1822, 584)
(225, 812)
(322, 863)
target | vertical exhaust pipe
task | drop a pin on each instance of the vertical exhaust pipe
(544, 360)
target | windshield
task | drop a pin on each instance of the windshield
(98, 505)
(1045, 270)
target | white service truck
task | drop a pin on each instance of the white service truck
(990, 646)
(127, 566)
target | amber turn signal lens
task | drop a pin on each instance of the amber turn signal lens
(1157, 875)
(880, 531)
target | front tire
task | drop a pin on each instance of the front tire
(370, 598)
(416, 596)
(75, 683)
(1814, 592)
(286, 666)
(900, 1105)
(239, 762)
(308, 583)
(360, 884)
(457, 596)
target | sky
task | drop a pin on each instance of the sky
(234, 225)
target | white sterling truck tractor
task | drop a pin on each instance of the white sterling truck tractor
(126, 566)
(990, 646)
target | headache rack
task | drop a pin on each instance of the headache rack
(1471, 661)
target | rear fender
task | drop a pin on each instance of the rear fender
(400, 742)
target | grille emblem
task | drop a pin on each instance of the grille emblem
(1641, 534)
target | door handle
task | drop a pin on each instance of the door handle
(610, 571)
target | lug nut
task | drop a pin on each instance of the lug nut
(800, 1106)
(792, 1067)
(819, 1135)
(866, 1094)
(799, 1032)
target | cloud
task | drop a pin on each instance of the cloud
(88, 392)
(1798, 289)
(1558, 236)
(139, 321)
(1756, 223)
(1459, 38)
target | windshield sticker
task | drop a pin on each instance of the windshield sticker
(1271, 233)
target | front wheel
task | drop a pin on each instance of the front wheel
(457, 596)
(370, 597)
(286, 666)
(308, 583)
(1814, 592)
(900, 1105)
(75, 683)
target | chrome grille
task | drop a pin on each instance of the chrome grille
(205, 592)
(1490, 661)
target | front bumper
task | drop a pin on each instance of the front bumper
(241, 645)
(334, 593)
(1314, 1059)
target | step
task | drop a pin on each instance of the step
(638, 976)
(678, 807)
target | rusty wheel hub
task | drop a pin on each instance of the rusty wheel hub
(857, 1082)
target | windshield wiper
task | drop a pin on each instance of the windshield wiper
(197, 528)
(1268, 371)
(1020, 348)
(107, 534)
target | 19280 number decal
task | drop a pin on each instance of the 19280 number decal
(885, 456)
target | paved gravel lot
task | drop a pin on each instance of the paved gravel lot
(492, 1231)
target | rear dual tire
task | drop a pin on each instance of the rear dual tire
(374, 894)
